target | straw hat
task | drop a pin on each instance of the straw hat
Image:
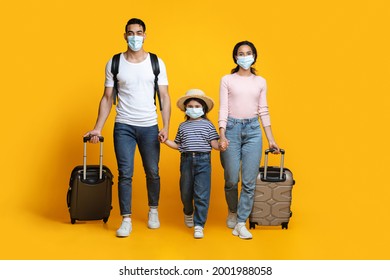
(195, 93)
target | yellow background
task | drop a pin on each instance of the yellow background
(327, 67)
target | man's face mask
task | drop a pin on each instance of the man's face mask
(135, 42)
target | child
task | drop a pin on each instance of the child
(195, 139)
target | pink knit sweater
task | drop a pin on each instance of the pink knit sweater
(243, 97)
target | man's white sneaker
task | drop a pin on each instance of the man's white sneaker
(241, 231)
(124, 230)
(231, 220)
(189, 220)
(153, 221)
(198, 232)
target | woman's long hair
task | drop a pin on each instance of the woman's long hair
(235, 50)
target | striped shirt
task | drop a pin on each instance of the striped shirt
(195, 136)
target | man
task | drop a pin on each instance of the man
(136, 121)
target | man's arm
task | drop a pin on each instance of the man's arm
(165, 113)
(103, 113)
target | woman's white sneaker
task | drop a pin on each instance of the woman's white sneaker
(241, 231)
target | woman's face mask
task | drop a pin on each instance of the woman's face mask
(245, 61)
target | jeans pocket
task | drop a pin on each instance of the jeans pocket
(229, 125)
(255, 125)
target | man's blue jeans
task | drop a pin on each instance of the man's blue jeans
(244, 151)
(195, 184)
(126, 137)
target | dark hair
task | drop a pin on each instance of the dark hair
(204, 105)
(235, 50)
(136, 21)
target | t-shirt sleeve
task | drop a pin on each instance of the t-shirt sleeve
(109, 81)
(213, 135)
(162, 77)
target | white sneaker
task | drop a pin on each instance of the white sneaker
(125, 229)
(231, 220)
(189, 220)
(198, 232)
(241, 231)
(153, 221)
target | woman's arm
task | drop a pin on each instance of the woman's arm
(271, 141)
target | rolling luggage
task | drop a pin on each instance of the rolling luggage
(272, 199)
(90, 189)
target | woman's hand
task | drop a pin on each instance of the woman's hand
(275, 147)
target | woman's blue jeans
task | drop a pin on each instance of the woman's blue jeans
(195, 184)
(244, 152)
(126, 137)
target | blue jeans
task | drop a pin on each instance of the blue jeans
(126, 137)
(195, 184)
(244, 151)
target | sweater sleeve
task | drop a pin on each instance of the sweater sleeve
(263, 107)
(223, 103)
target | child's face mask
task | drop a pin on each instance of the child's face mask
(194, 113)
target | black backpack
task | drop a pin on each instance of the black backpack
(156, 71)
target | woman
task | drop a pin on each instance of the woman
(242, 102)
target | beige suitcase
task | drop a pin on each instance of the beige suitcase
(273, 193)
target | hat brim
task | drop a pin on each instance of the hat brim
(209, 102)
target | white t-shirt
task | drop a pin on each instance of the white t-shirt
(136, 91)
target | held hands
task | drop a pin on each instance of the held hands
(163, 135)
(223, 144)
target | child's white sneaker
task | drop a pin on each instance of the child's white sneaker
(198, 232)
(153, 221)
(231, 220)
(188, 220)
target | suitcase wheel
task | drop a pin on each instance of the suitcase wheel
(72, 221)
(285, 225)
(105, 220)
(252, 225)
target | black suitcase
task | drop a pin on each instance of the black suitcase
(90, 189)
(273, 194)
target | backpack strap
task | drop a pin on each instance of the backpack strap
(114, 71)
(156, 71)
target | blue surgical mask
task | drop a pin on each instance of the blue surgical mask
(194, 113)
(245, 61)
(135, 42)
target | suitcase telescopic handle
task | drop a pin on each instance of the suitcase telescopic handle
(281, 162)
(85, 140)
